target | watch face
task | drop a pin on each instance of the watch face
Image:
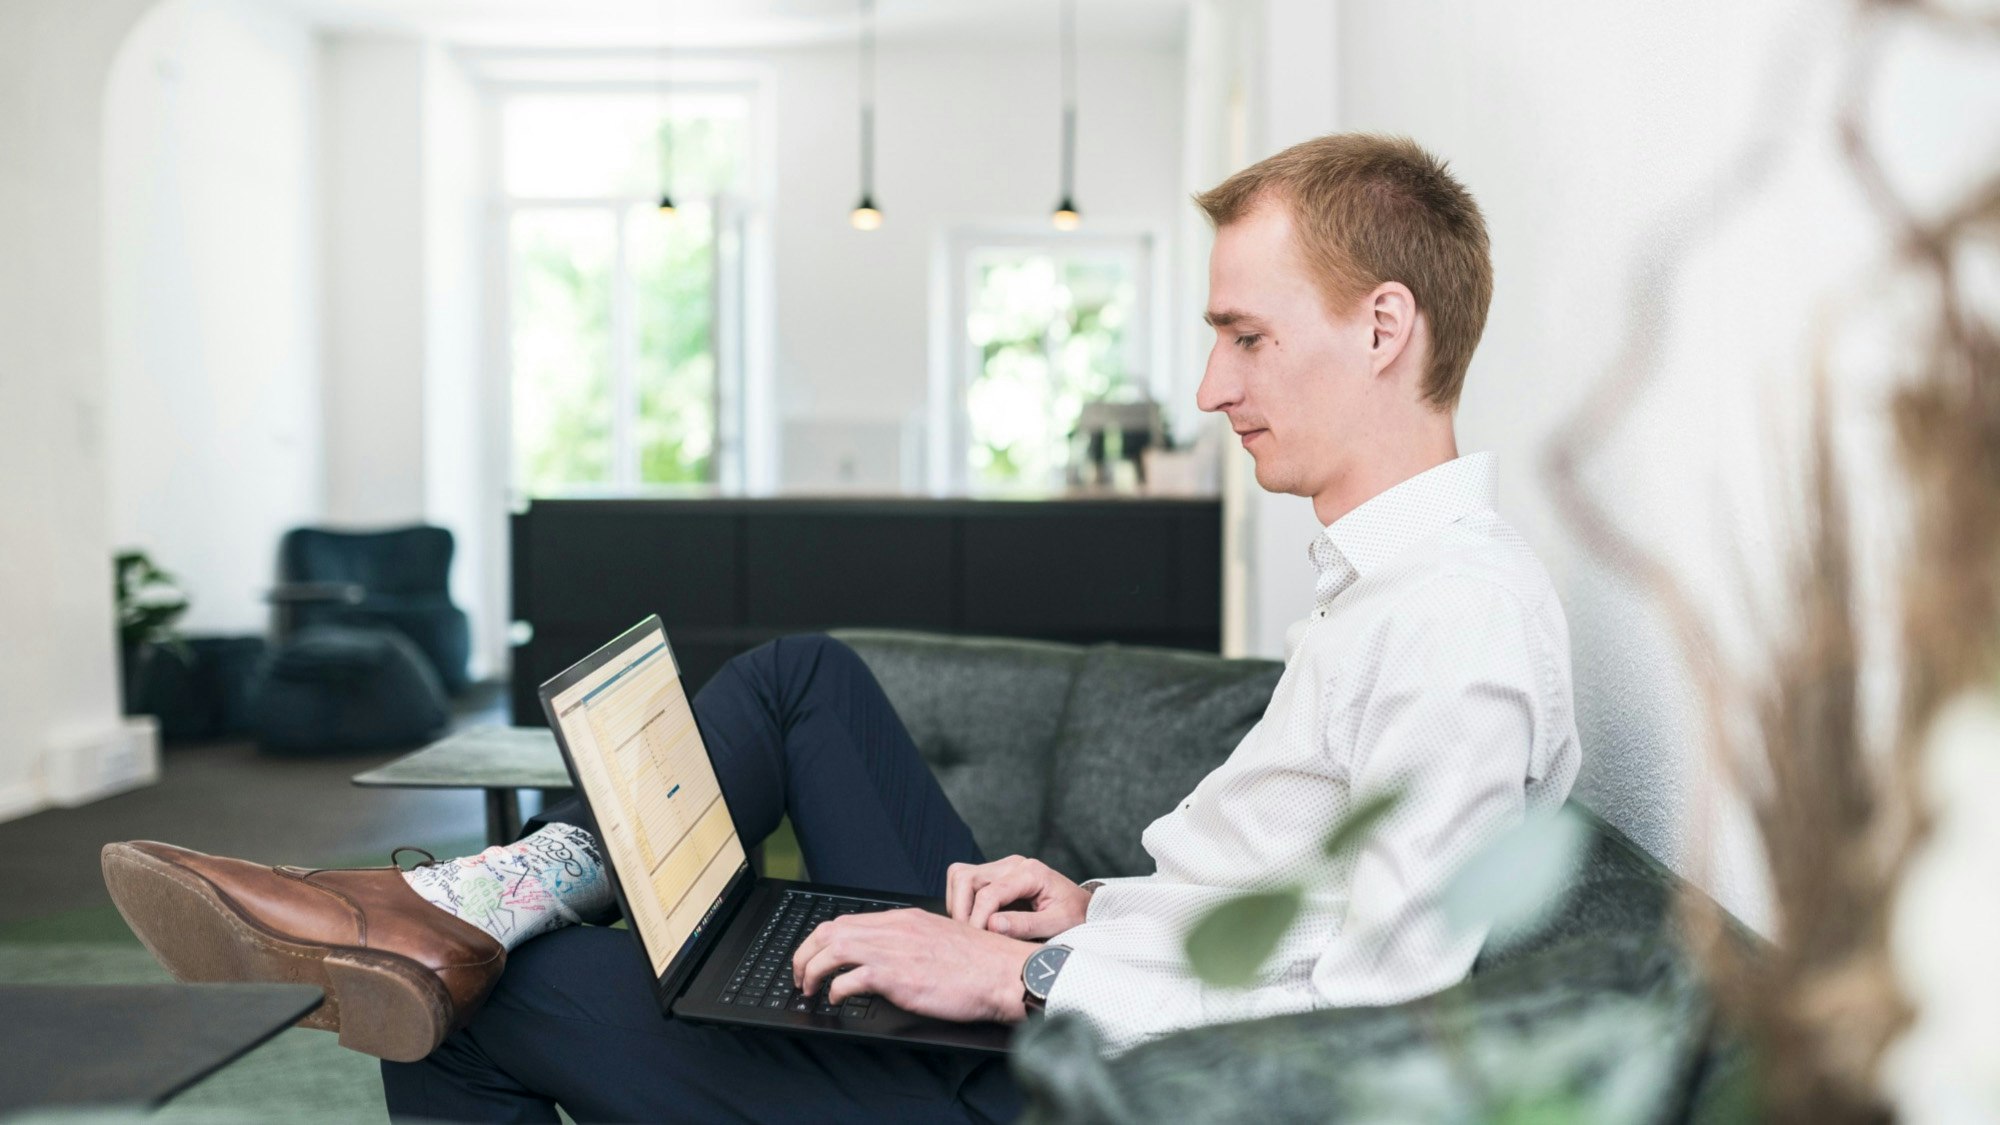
(1042, 967)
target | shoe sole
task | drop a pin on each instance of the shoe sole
(379, 1003)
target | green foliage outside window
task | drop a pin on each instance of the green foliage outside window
(673, 278)
(1052, 335)
(567, 345)
(562, 349)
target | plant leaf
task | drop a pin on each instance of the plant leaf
(1232, 941)
(1360, 820)
(1516, 881)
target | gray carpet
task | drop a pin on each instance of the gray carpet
(57, 925)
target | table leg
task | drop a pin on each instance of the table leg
(503, 816)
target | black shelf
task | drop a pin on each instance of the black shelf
(728, 575)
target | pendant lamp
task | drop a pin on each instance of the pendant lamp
(866, 215)
(1065, 216)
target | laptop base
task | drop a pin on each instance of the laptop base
(700, 1001)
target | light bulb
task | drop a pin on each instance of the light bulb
(1066, 217)
(666, 204)
(865, 216)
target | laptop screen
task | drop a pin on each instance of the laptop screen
(659, 809)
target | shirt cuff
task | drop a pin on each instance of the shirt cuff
(1123, 1004)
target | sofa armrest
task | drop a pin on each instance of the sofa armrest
(1617, 1026)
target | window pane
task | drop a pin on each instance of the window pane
(672, 262)
(615, 367)
(561, 315)
(1051, 335)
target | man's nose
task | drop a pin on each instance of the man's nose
(1220, 389)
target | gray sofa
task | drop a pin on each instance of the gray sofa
(1067, 753)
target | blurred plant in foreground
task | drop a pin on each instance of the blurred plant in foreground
(1599, 1068)
(1847, 825)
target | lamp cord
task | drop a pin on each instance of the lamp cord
(1069, 98)
(666, 101)
(867, 94)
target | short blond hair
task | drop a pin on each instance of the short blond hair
(1372, 208)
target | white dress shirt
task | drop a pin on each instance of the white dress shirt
(1436, 662)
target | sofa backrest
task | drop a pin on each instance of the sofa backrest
(1067, 754)
(1060, 752)
(397, 561)
(985, 715)
(1143, 727)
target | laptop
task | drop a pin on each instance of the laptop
(717, 939)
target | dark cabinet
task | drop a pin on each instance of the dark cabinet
(728, 575)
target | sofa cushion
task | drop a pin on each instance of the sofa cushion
(1143, 727)
(984, 714)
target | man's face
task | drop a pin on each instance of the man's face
(1293, 378)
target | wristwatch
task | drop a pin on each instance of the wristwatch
(1038, 975)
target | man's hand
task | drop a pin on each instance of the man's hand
(981, 895)
(919, 961)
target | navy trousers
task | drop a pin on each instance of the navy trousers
(796, 727)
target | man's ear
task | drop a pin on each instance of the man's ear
(1392, 321)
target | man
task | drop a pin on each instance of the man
(1349, 284)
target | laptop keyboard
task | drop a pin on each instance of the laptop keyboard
(763, 979)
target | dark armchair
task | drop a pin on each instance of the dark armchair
(397, 579)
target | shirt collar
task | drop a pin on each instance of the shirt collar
(1399, 517)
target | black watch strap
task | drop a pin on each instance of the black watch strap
(1038, 975)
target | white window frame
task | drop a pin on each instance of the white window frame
(954, 359)
(745, 448)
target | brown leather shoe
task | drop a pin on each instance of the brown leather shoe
(399, 973)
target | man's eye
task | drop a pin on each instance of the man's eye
(1248, 342)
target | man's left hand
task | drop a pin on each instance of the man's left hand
(921, 962)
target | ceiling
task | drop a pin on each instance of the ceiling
(747, 23)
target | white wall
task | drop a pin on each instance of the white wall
(1595, 137)
(292, 299)
(376, 345)
(211, 303)
(413, 430)
(964, 135)
(62, 737)
(465, 474)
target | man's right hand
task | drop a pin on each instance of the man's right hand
(985, 895)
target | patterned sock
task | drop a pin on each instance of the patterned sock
(533, 885)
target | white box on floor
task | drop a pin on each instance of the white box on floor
(83, 766)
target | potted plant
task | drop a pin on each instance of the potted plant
(150, 604)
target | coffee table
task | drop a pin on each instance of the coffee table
(65, 1045)
(500, 760)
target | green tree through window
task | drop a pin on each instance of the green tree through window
(612, 303)
(1050, 332)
